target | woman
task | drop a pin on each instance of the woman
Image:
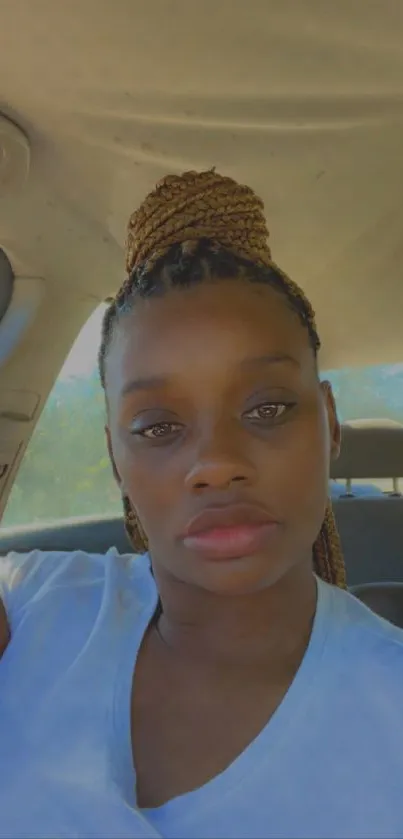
(223, 683)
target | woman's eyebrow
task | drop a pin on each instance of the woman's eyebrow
(273, 358)
(154, 382)
(149, 383)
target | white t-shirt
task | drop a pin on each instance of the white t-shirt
(329, 763)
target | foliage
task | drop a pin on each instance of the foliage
(66, 470)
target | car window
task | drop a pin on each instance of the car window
(66, 472)
(368, 392)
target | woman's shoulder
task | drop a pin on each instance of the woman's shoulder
(367, 640)
(27, 578)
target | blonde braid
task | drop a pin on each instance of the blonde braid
(182, 210)
(202, 205)
(327, 552)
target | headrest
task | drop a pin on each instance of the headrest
(370, 449)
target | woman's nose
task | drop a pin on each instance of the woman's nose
(218, 467)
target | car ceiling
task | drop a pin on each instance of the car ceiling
(302, 99)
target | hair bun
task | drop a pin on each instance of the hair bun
(193, 206)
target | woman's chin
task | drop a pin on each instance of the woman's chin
(238, 576)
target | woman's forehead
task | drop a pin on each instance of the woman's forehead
(219, 324)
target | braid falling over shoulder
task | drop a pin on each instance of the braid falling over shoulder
(183, 211)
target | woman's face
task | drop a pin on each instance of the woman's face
(215, 408)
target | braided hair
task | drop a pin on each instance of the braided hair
(201, 226)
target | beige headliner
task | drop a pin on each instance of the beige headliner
(300, 99)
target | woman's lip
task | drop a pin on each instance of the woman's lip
(231, 542)
(226, 516)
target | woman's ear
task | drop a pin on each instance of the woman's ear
(333, 420)
(112, 459)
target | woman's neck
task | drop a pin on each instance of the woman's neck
(269, 625)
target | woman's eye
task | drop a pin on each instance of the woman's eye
(268, 411)
(159, 430)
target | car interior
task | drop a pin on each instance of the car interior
(303, 102)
